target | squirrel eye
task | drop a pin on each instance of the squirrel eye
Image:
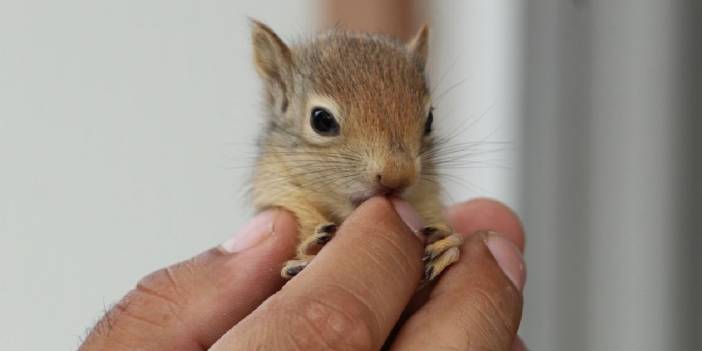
(323, 122)
(430, 120)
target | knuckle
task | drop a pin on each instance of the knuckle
(160, 294)
(315, 324)
(163, 284)
(142, 314)
(498, 313)
(175, 283)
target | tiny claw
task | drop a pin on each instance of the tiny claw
(427, 231)
(430, 255)
(322, 240)
(294, 270)
(428, 272)
(328, 228)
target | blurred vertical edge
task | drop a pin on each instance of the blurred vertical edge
(612, 173)
(689, 73)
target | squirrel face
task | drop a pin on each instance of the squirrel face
(348, 114)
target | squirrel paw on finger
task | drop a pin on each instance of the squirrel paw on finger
(308, 249)
(441, 251)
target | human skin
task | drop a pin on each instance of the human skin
(399, 18)
(351, 297)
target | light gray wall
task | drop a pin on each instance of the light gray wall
(121, 127)
(474, 75)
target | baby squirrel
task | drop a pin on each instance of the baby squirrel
(349, 117)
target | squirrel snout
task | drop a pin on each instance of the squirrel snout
(389, 185)
(393, 180)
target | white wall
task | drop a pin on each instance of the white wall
(474, 72)
(120, 125)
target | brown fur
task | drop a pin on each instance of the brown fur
(376, 88)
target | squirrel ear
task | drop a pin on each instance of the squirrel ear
(273, 61)
(271, 55)
(420, 44)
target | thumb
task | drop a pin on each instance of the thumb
(191, 304)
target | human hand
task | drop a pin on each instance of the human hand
(350, 297)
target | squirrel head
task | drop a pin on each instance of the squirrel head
(348, 114)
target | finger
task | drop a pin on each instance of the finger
(472, 216)
(477, 304)
(193, 303)
(351, 294)
(485, 214)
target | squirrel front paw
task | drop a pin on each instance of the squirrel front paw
(308, 248)
(441, 251)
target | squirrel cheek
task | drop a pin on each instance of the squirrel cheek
(417, 167)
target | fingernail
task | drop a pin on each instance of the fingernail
(408, 215)
(508, 257)
(253, 233)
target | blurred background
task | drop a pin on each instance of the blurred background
(123, 126)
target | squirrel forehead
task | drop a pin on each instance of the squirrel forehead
(365, 73)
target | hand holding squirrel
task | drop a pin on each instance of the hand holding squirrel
(232, 297)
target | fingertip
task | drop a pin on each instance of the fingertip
(393, 212)
(484, 214)
(283, 236)
(519, 344)
(508, 257)
(266, 224)
(408, 214)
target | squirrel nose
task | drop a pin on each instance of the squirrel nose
(392, 182)
(394, 174)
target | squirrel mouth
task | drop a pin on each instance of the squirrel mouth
(358, 199)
